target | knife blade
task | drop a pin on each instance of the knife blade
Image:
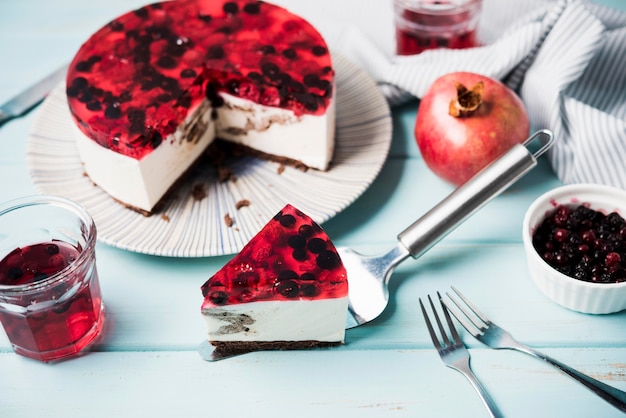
(32, 96)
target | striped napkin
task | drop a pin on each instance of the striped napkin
(566, 59)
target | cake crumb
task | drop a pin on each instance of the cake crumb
(242, 203)
(228, 220)
(198, 192)
(281, 169)
(225, 174)
(165, 218)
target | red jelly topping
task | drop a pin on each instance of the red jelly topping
(290, 258)
(134, 81)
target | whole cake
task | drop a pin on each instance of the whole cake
(153, 88)
(286, 289)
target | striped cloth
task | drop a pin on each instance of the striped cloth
(566, 59)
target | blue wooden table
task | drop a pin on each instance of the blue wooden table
(147, 363)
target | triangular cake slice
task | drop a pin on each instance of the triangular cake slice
(286, 289)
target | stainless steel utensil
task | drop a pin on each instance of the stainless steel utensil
(454, 354)
(32, 96)
(368, 276)
(493, 336)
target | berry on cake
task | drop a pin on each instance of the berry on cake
(153, 88)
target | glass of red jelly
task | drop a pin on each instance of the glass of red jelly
(430, 24)
(50, 300)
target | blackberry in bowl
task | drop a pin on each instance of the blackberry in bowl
(575, 242)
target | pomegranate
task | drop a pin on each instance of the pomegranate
(465, 121)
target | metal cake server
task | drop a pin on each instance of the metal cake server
(368, 276)
(32, 96)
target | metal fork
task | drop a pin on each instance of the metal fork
(454, 354)
(492, 335)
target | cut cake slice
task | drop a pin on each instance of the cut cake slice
(286, 289)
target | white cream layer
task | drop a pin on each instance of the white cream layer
(142, 183)
(301, 320)
(309, 139)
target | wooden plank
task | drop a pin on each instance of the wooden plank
(365, 383)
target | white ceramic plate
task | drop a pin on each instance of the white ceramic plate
(191, 227)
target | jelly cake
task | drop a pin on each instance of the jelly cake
(286, 289)
(151, 90)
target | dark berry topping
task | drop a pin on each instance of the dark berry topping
(300, 254)
(311, 80)
(287, 275)
(233, 86)
(141, 52)
(270, 69)
(79, 82)
(116, 26)
(113, 111)
(316, 245)
(231, 8)
(256, 77)
(287, 221)
(309, 290)
(328, 260)
(142, 12)
(166, 61)
(306, 231)
(94, 105)
(318, 51)
(583, 243)
(188, 73)
(215, 52)
(205, 18)
(270, 267)
(296, 241)
(290, 53)
(218, 297)
(85, 66)
(268, 50)
(288, 288)
(155, 139)
(252, 8)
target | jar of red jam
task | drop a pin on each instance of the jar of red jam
(430, 24)
(50, 299)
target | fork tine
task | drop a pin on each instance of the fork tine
(442, 331)
(431, 331)
(455, 335)
(464, 317)
(471, 306)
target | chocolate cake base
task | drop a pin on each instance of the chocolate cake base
(220, 151)
(230, 348)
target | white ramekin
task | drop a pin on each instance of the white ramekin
(577, 295)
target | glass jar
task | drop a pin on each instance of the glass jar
(50, 299)
(430, 24)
